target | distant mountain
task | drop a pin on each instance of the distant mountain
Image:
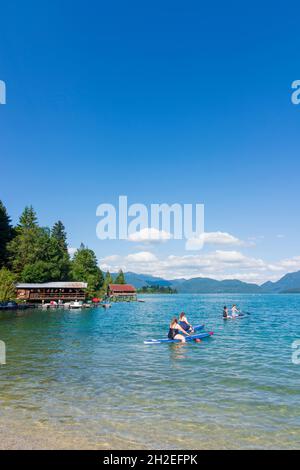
(211, 286)
(288, 282)
(267, 286)
(193, 286)
(143, 280)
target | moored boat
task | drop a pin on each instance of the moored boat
(75, 305)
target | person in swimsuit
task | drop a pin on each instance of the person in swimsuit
(225, 313)
(235, 312)
(176, 331)
(183, 322)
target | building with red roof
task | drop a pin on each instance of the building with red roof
(122, 292)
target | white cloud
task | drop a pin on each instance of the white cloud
(112, 263)
(292, 263)
(212, 238)
(111, 259)
(219, 264)
(153, 235)
(220, 238)
(150, 235)
(141, 257)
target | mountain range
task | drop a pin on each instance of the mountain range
(290, 283)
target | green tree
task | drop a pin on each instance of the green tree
(7, 285)
(39, 271)
(24, 248)
(107, 281)
(38, 254)
(59, 233)
(120, 279)
(6, 235)
(60, 261)
(28, 218)
(84, 268)
(60, 254)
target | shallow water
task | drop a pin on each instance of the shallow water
(88, 375)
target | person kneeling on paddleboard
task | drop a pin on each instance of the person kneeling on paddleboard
(225, 313)
(183, 322)
(235, 312)
(176, 331)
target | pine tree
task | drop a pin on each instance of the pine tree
(84, 267)
(59, 233)
(50, 261)
(28, 219)
(6, 235)
(108, 279)
(60, 250)
(120, 279)
(25, 247)
(36, 254)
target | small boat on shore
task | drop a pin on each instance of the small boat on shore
(75, 305)
(51, 304)
(8, 306)
(15, 306)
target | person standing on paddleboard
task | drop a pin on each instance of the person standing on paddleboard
(183, 322)
(176, 331)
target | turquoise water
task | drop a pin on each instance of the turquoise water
(88, 375)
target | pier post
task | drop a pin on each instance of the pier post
(2, 353)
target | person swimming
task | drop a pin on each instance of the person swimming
(176, 331)
(183, 322)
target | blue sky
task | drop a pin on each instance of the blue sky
(164, 101)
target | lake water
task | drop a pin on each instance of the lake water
(87, 377)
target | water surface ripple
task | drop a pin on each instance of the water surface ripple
(87, 375)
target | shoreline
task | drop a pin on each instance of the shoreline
(37, 436)
(14, 436)
(23, 434)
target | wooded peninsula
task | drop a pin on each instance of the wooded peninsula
(34, 254)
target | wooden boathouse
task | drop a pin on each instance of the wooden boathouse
(122, 293)
(51, 291)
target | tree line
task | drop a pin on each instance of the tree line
(157, 289)
(33, 254)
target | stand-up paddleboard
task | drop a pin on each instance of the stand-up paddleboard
(239, 317)
(188, 339)
(198, 328)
